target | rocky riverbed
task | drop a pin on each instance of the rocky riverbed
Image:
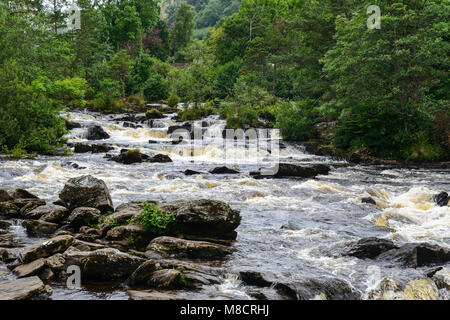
(318, 228)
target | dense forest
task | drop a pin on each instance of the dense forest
(290, 64)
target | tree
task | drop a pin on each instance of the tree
(183, 28)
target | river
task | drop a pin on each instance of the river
(290, 227)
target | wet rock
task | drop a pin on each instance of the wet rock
(189, 172)
(415, 255)
(101, 148)
(154, 114)
(56, 262)
(97, 133)
(4, 224)
(151, 295)
(131, 235)
(28, 205)
(83, 216)
(192, 275)
(418, 289)
(369, 200)
(441, 199)
(165, 279)
(46, 274)
(22, 194)
(46, 248)
(206, 218)
(8, 209)
(223, 170)
(87, 246)
(53, 213)
(125, 213)
(37, 228)
(286, 170)
(442, 278)
(31, 288)
(49, 213)
(182, 128)
(305, 289)
(129, 157)
(2, 232)
(181, 248)
(82, 148)
(30, 269)
(4, 196)
(160, 158)
(131, 125)
(370, 248)
(87, 191)
(70, 125)
(108, 264)
(7, 256)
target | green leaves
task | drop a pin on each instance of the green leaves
(154, 220)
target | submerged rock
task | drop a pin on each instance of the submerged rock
(130, 157)
(87, 191)
(370, 248)
(369, 200)
(418, 289)
(189, 172)
(206, 218)
(181, 248)
(160, 158)
(46, 248)
(31, 288)
(442, 278)
(97, 133)
(286, 170)
(441, 199)
(415, 255)
(223, 170)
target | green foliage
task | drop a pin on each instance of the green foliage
(154, 220)
(173, 101)
(296, 121)
(197, 112)
(240, 116)
(107, 95)
(183, 28)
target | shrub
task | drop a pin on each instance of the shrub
(173, 101)
(197, 112)
(239, 117)
(154, 220)
(106, 98)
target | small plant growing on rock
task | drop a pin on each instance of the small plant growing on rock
(153, 219)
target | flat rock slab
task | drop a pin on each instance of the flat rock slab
(31, 288)
(46, 248)
(152, 295)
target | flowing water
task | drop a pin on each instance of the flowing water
(292, 228)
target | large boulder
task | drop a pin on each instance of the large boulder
(46, 248)
(181, 248)
(286, 170)
(415, 255)
(83, 216)
(131, 235)
(50, 213)
(108, 264)
(191, 275)
(36, 228)
(86, 191)
(96, 133)
(31, 288)
(8, 209)
(204, 218)
(370, 248)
